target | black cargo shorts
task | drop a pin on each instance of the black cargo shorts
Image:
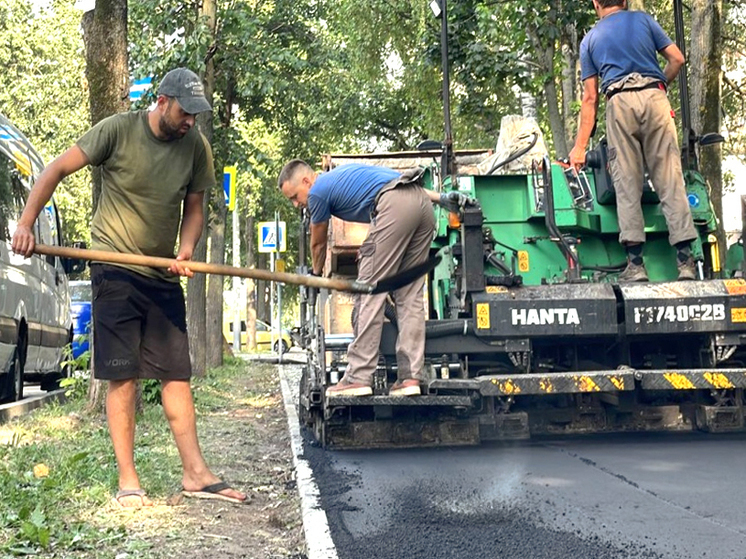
(139, 326)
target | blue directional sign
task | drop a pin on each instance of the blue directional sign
(271, 240)
(229, 187)
(139, 87)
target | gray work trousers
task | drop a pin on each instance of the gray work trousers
(641, 132)
(399, 237)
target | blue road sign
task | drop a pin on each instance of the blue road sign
(229, 187)
(271, 240)
(139, 87)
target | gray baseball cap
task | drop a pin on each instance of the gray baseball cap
(186, 87)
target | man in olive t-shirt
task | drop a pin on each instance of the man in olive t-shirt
(155, 168)
(146, 179)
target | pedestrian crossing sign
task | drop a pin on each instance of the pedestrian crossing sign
(268, 236)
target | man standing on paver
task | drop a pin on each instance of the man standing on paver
(401, 230)
(621, 50)
(156, 168)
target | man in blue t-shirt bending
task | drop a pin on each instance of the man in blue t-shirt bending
(621, 51)
(401, 230)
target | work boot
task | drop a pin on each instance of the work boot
(687, 269)
(346, 388)
(407, 387)
(633, 272)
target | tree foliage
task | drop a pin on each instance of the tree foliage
(298, 78)
(44, 92)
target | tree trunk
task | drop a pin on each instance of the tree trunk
(528, 105)
(215, 285)
(250, 284)
(216, 221)
(570, 79)
(545, 60)
(556, 123)
(105, 39)
(196, 303)
(704, 65)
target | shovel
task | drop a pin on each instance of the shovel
(391, 283)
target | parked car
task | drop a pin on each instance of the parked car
(263, 336)
(35, 319)
(80, 305)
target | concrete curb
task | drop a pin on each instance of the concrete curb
(17, 409)
(315, 525)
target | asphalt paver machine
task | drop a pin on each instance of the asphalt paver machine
(529, 331)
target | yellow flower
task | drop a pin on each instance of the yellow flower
(41, 470)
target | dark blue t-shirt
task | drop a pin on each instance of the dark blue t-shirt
(620, 44)
(347, 192)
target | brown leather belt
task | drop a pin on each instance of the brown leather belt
(653, 85)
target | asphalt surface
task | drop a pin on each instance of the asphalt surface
(622, 496)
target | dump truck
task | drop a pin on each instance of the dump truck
(529, 331)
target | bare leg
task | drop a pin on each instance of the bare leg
(120, 414)
(179, 409)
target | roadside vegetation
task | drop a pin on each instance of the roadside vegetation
(58, 475)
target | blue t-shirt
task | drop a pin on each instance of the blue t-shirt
(620, 44)
(347, 192)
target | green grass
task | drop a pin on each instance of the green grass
(67, 512)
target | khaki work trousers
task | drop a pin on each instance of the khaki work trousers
(641, 132)
(399, 237)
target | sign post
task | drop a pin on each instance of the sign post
(279, 301)
(229, 189)
(273, 239)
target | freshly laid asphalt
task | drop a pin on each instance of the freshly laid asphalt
(616, 496)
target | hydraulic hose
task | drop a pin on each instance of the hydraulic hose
(549, 219)
(442, 328)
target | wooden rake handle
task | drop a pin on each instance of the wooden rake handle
(204, 267)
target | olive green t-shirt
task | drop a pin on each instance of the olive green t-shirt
(145, 181)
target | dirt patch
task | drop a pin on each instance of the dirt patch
(246, 443)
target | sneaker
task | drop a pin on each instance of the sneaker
(407, 387)
(344, 388)
(687, 269)
(634, 272)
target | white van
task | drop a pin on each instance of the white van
(35, 320)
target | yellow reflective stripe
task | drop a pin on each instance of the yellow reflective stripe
(679, 381)
(546, 385)
(718, 380)
(618, 382)
(509, 387)
(586, 384)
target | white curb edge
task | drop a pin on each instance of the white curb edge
(12, 410)
(315, 525)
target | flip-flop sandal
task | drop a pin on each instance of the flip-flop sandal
(213, 492)
(131, 493)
